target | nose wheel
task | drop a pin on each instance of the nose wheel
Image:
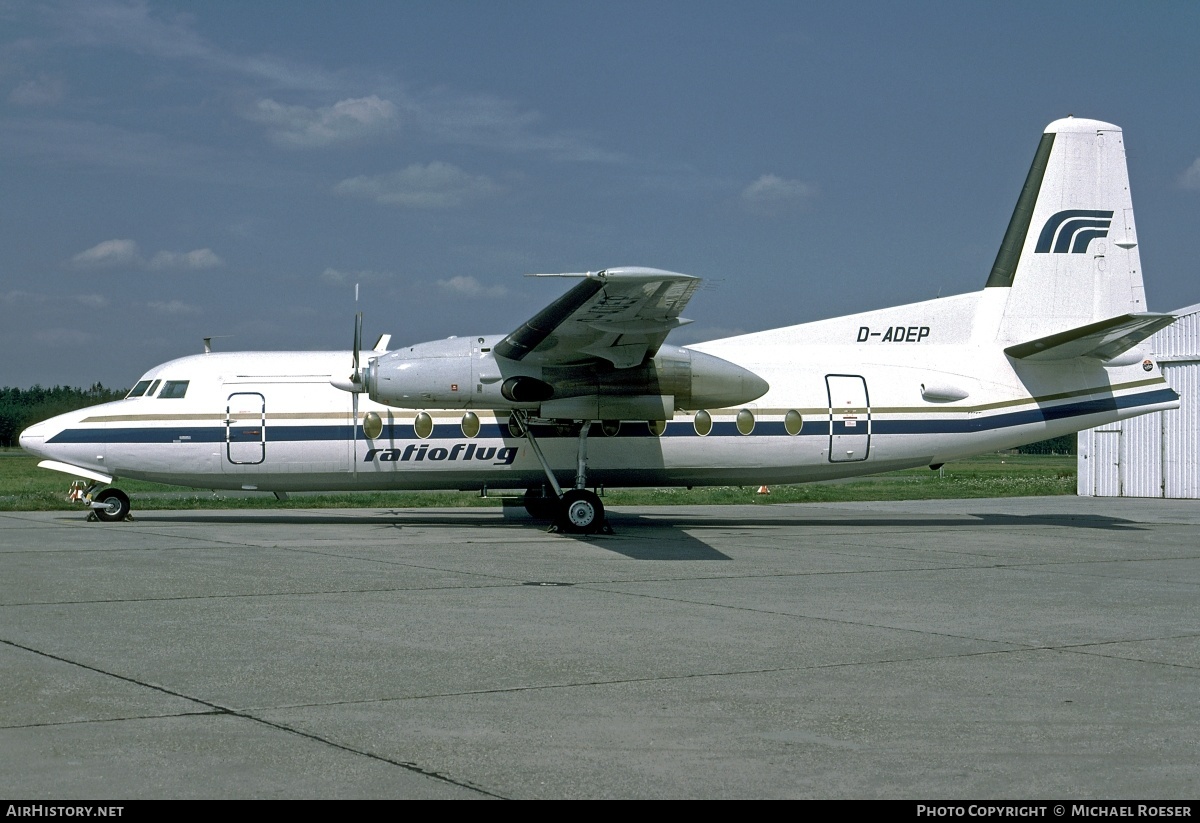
(111, 506)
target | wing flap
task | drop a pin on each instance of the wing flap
(621, 315)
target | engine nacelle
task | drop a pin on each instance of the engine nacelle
(466, 373)
(435, 375)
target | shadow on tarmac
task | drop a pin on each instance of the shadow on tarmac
(658, 536)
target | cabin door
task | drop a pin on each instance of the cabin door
(246, 428)
(849, 418)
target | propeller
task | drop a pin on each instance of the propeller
(357, 382)
(356, 378)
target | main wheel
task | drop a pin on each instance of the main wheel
(540, 504)
(116, 505)
(580, 512)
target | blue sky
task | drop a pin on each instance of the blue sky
(175, 171)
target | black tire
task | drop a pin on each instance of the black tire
(580, 512)
(541, 503)
(116, 505)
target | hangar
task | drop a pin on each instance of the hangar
(1158, 454)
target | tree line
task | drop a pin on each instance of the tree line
(1055, 445)
(21, 408)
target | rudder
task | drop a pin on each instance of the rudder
(1069, 256)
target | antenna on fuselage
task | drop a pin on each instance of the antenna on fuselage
(208, 342)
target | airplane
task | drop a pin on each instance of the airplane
(587, 394)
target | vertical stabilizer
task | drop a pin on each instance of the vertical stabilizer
(1070, 255)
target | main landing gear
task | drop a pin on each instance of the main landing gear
(575, 511)
(108, 506)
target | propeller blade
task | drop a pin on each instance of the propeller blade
(356, 382)
(356, 376)
(355, 424)
(357, 342)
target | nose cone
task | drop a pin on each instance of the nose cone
(33, 439)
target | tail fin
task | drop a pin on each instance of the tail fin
(1070, 257)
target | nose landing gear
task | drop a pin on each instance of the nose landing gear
(108, 506)
(111, 506)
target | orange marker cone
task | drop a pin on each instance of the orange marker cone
(763, 490)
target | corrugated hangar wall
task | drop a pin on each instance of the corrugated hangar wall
(1155, 455)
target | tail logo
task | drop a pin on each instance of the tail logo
(1070, 231)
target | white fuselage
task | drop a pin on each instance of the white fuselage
(896, 388)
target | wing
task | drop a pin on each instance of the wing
(620, 315)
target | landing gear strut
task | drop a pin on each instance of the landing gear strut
(576, 511)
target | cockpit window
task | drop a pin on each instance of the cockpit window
(139, 389)
(173, 389)
(153, 388)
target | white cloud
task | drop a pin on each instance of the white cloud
(113, 254)
(64, 338)
(1190, 179)
(348, 120)
(172, 307)
(471, 288)
(168, 34)
(91, 301)
(440, 112)
(43, 90)
(336, 277)
(434, 186)
(188, 260)
(108, 255)
(20, 296)
(771, 192)
(497, 123)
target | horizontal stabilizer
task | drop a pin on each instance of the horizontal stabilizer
(1102, 340)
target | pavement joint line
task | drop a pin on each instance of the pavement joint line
(847, 622)
(669, 678)
(122, 719)
(251, 595)
(597, 585)
(217, 709)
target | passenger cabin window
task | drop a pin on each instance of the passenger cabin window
(745, 421)
(139, 389)
(423, 425)
(173, 389)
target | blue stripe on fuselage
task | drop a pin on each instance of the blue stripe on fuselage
(279, 433)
